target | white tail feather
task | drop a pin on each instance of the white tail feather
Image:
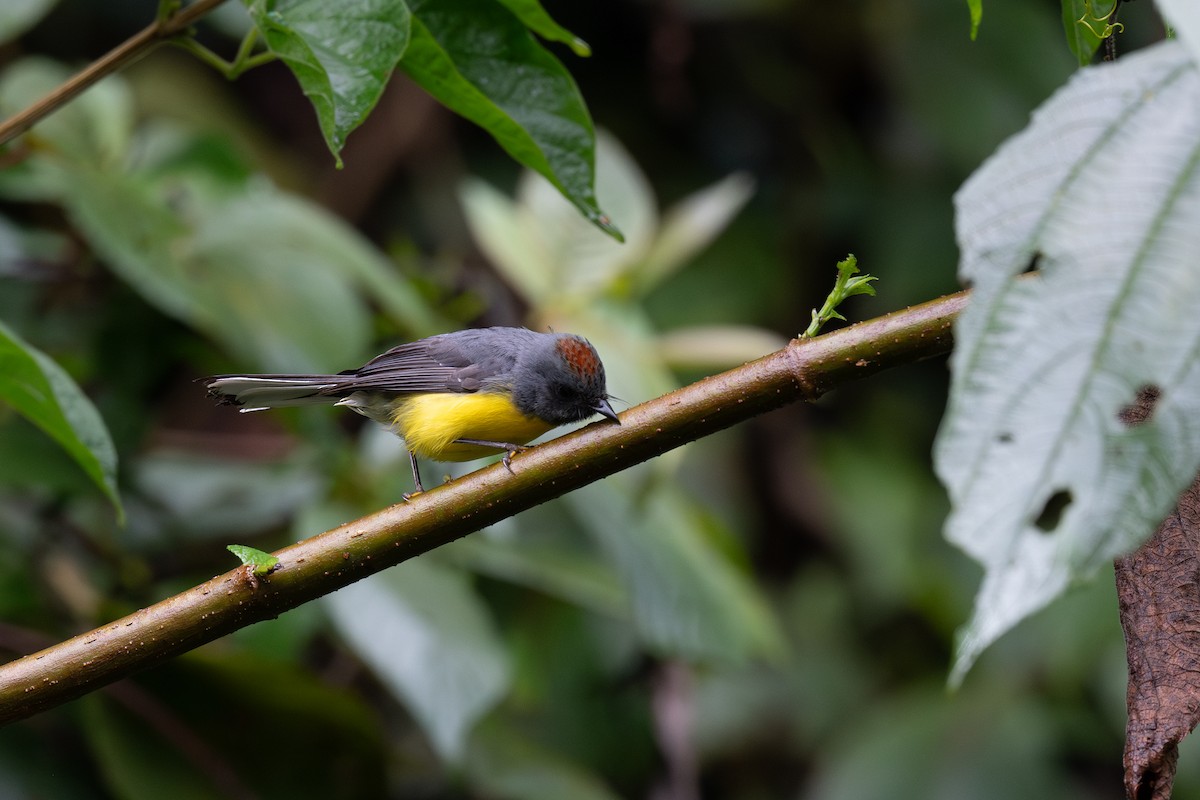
(258, 393)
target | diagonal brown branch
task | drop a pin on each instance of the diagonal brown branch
(140, 44)
(804, 370)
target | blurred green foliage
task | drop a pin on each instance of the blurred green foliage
(766, 613)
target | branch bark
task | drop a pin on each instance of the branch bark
(137, 46)
(804, 370)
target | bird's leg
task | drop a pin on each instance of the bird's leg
(509, 449)
(412, 459)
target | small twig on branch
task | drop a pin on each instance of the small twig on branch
(804, 370)
(137, 46)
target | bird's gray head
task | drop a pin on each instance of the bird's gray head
(561, 380)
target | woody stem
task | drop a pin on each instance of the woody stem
(802, 371)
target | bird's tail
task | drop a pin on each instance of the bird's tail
(260, 392)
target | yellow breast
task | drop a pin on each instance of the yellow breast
(429, 424)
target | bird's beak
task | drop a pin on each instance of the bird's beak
(605, 410)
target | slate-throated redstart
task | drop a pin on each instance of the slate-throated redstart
(453, 397)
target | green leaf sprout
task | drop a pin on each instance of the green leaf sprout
(848, 284)
(262, 563)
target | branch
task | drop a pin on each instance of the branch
(804, 370)
(137, 46)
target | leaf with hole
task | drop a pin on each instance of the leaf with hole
(1048, 478)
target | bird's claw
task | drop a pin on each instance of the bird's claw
(508, 456)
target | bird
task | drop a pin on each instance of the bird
(454, 396)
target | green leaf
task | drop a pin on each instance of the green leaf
(30, 766)
(214, 498)
(508, 236)
(1083, 26)
(481, 62)
(250, 265)
(576, 578)
(544, 249)
(263, 563)
(94, 128)
(976, 9)
(847, 284)
(583, 260)
(1047, 483)
(18, 16)
(688, 599)
(534, 17)
(268, 275)
(42, 392)
(342, 54)
(273, 276)
(239, 716)
(552, 256)
(916, 743)
(135, 762)
(507, 766)
(430, 640)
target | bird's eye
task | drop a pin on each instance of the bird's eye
(563, 392)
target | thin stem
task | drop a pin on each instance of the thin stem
(202, 53)
(243, 61)
(804, 370)
(137, 46)
(245, 58)
(166, 8)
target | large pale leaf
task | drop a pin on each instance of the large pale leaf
(430, 640)
(42, 392)
(1102, 194)
(342, 54)
(1184, 17)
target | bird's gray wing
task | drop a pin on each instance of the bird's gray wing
(451, 362)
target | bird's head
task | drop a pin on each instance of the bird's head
(562, 381)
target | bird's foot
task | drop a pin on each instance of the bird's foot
(509, 449)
